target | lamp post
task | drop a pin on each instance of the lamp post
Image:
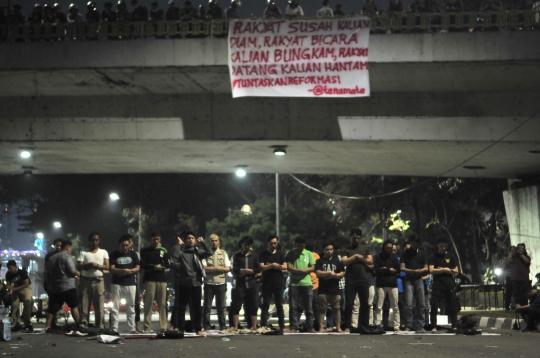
(277, 204)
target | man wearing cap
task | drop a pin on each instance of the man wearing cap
(216, 267)
(155, 262)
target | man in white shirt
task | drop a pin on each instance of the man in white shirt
(325, 12)
(92, 264)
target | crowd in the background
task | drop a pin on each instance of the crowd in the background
(334, 287)
(159, 11)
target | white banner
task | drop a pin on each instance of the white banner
(299, 58)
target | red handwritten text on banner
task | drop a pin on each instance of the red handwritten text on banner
(299, 58)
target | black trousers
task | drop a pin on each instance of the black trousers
(520, 297)
(247, 297)
(217, 291)
(267, 294)
(192, 296)
(360, 288)
(531, 315)
(508, 292)
(437, 296)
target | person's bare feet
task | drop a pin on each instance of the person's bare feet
(339, 330)
(434, 330)
(346, 330)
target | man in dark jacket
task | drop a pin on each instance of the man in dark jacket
(186, 260)
(246, 265)
(387, 270)
(155, 261)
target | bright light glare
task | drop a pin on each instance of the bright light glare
(123, 301)
(114, 196)
(26, 154)
(57, 224)
(498, 271)
(399, 211)
(240, 172)
(39, 235)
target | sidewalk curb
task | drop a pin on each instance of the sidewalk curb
(497, 322)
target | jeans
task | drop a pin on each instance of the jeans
(392, 294)
(304, 294)
(128, 293)
(360, 288)
(211, 291)
(436, 297)
(414, 289)
(188, 295)
(267, 293)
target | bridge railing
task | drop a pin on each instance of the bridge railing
(381, 24)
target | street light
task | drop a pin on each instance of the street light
(25, 154)
(114, 197)
(241, 172)
(40, 235)
(57, 224)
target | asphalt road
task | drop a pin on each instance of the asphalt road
(508, 344)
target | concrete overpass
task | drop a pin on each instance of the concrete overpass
(439, 102)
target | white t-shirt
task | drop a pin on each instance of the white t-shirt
(98, 257)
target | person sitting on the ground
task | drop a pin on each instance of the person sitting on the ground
(272, 11)
(330, 270)
(530, 312)
(325, 11)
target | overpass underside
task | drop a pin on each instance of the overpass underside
(439, 102)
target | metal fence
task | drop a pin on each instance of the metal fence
(381, 24)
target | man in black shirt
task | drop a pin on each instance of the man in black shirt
(245, 266)
(155, 261)
(387, 271)
(273, 265)
(330, 270)
(443, 265)
(414, 265)
(356, 258)
(124, 266)
(530, 312)
(18, 283)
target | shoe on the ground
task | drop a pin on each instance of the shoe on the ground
(363, 330)
(28, 328)
(76, 333)
(420, 330)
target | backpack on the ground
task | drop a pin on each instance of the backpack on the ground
(465, 325)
